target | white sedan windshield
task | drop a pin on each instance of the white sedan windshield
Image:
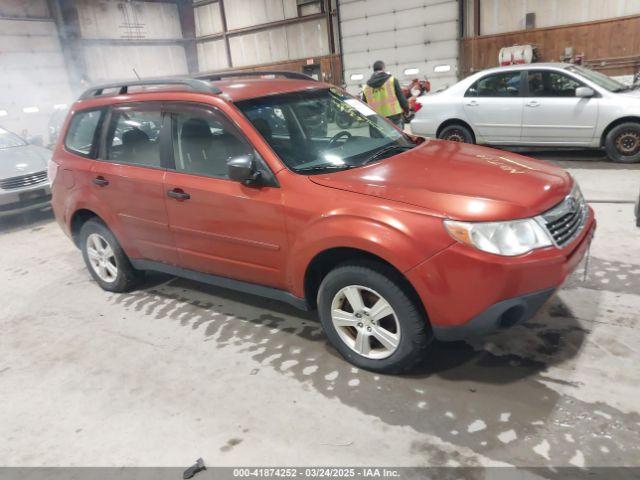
(599, 79)
(8, 139)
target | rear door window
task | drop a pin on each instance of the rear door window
(497, 85)
(81, 135)
(134, 136)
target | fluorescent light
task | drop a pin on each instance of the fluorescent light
(411, 71)
(3, 113)
(30, 109)
(442, 68)
(60, 106)
(356, 76)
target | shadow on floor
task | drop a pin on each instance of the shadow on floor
(24, 221)
(502, 405)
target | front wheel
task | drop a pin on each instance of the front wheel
(456, 133)
(623, 143)
(371, 318)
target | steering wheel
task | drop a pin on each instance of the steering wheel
(337, 137)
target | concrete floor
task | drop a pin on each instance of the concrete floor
(178, 370)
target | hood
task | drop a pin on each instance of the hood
(459, 181)
(635, 94)
(17, 161)
(377, 79)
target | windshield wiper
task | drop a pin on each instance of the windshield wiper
(319, 168)
(383, 151)
(623, 89)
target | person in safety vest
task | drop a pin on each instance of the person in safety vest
(383, 93)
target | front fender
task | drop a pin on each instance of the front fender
(403, 239)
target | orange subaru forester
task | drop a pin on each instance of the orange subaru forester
(249, 183)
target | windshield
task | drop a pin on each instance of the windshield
(599, 79)
(9, 140)
(323, 130)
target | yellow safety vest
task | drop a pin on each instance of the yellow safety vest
(383, 99)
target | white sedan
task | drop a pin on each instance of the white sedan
(540, 104)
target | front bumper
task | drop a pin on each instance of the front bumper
(13, 202)
(504, 314)
(468, 293)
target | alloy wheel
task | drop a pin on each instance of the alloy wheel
(102, 258)
(365, 321)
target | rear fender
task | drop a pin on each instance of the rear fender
(85, 199)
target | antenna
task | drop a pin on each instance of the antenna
(134, 71)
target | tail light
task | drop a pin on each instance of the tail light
(417, 106)
(52, 170)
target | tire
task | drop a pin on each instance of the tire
(623, 143)
(120, 276)
(406, 325)
(457, 133)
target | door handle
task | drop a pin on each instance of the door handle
(101, 181)
(532, 103)
(472, 103)
(178, 194)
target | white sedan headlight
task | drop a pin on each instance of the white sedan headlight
(502, 238)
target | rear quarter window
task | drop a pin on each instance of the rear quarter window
(81, 135)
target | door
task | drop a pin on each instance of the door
(493, 106)
(128, 178)
(416, 39)
(553, 115)
(220, 226)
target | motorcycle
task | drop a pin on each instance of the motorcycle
(415, 89)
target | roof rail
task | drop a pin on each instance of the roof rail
(197, 85)
(255, 73)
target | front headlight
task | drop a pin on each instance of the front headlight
(502, 238)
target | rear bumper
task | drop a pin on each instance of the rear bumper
(468, 293)
(425, 127)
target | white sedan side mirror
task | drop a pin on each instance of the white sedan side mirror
(584, 92)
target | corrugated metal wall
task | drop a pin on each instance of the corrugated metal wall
(278, 43)
(246, 13)
(34, 75)
(407, 35)
(299, 40)
(118, 36)
(499, 16)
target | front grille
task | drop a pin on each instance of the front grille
(566, 220)
(23, 180)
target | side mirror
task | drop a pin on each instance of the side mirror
(242, 169)
(584, 92)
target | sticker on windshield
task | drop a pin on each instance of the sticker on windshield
(362, 108)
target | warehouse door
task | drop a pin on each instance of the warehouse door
(415, 38)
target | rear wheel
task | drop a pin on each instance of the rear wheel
(371, 319)
(106, 261)
(623, 143)
(456, 133)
